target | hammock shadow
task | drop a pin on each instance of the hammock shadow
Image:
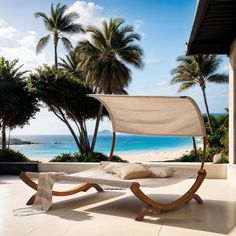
(211, 216)
(70, 209)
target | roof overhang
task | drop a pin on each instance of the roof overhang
(214, 27)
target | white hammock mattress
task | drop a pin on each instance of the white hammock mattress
(97, 175)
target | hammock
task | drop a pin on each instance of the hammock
(149, 115)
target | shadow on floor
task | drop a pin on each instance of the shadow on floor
(70, 209)
(211, 216)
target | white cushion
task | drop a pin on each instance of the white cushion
(161, 171)
(132, 171)
(109, 168)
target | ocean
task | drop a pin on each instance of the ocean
(48, 146)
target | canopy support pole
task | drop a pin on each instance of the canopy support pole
(203, 153)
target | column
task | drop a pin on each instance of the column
(232, 104)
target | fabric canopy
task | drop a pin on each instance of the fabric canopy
(154, 115)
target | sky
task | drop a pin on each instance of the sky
(164, 25)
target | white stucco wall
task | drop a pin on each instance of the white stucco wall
(232, 104)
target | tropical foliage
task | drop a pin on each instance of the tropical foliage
(67, 98)
(17, 103)
(58, 24)
(91, 157)
(70, 65)
(104, 59)
(217, 143)
(198, 70)
(10, 155)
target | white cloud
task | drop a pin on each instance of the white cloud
(89, 14)
(138, 24)
(162, 83)
(29, 40)
(150, 60)
(6, 31)
(24, 50)
(24, 45)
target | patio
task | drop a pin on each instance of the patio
(113, 212)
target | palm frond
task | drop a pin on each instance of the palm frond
(42, 43)
(66, 43)
(72, 28)
(41, 14)
(185, 86)
(218, 78)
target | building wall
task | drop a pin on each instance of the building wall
(232, 104)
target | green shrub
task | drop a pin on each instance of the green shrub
(10, 155)
(118, 159)
(65, 157)
(77, 157)
(224, 159)
(191, 156)
(210, 153)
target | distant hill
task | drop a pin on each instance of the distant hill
(16, 141)
(105, 131)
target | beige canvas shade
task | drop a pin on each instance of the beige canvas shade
(154, 115)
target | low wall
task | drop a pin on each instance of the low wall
(214, 171)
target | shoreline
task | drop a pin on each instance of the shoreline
(138, 156)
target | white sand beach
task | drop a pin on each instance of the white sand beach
(154, 156)
(141, 156)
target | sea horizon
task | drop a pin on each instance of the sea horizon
(49, 146)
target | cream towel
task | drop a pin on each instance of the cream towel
(43, 200)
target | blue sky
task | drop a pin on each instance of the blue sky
(165, 26)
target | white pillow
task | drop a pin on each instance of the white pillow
(161, 171)
(132, 171)
(113, 165)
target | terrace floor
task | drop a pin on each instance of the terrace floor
(112, 212)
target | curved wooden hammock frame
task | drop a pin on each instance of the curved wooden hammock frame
(135, 188)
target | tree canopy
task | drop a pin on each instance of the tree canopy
(17, 103)
(198, 70)
(105, 58)
(67, 98)
(58, 23)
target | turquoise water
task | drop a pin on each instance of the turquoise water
(52, 145)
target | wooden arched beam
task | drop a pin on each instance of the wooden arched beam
(81, 188)
(151, 204)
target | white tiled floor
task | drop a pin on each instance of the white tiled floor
(112, 212)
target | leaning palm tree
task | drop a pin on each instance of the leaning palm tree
(58, 23)
(198, 70)
(105, 58)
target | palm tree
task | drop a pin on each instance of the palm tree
(105, 58)
(58, 23)
(70, 64)
(198, 70)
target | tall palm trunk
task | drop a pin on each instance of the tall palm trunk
(96, 128)
(4, 142)
(55, 48)
(207, 110)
